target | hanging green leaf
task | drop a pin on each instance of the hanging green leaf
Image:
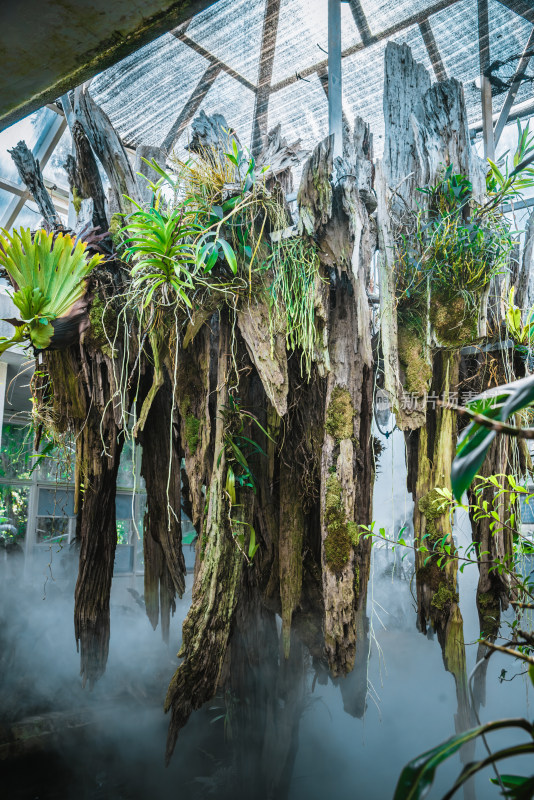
(498, 405)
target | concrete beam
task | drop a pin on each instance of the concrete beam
(48, 47)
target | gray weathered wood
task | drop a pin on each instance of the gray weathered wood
(29, 170)
(280, 158)
(108, 147)
(426, 129)
(270, 363)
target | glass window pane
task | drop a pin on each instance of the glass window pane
(124, 559)
(13, 512)
(52, 529)
(30, 129)
(123, 506)
(16, 451)
(54, 169)
(58, 464)
(126, 474)
(56, 503)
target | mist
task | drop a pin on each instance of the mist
(278, 730)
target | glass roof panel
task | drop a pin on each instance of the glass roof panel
(30, 129)
(54, 171)
(302, 110)
(232, 31)
(238, 115)
(145, 92)
(508, 38)
(384, 15)
(302, 39)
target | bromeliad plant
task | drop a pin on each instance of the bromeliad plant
(48, 272)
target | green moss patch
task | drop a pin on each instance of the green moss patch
(431, 504)
(340, 415)
(341, 534)
(103, 320)
(417, 371)
(192, 428)
(444, 597)
(454, 324)
(76, 200)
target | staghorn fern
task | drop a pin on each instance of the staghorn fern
(48, 272)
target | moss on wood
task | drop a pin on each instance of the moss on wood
(192, 427)
(340, 415)
(417, 371)
(431, 504)
(103, 320)
(489, 609)
(337, 545)
(445, 596)
(453, 322)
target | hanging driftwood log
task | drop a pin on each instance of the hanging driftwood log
(84, 177)
(268, 357)
(280, 158)
(425, 130)
(107, 146)
(341, 221)
(30, 174)
(192, 396)
(215, 592)
(162, 528)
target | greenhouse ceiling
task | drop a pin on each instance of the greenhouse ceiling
(264, 62)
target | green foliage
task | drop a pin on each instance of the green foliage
(161, 252)
(503, 402)
(456, 246)
(504, 186)
(48, 273)
(237, 449)
(522, 334)
(417, 777)
(295, 266)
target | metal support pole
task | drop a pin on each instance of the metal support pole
(335, 113)
(514, 88)
(484, 54)
(3, 374)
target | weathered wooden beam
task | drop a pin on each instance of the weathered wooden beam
(361, 22)
(432, 50)
(265, 73)
(523, 8)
